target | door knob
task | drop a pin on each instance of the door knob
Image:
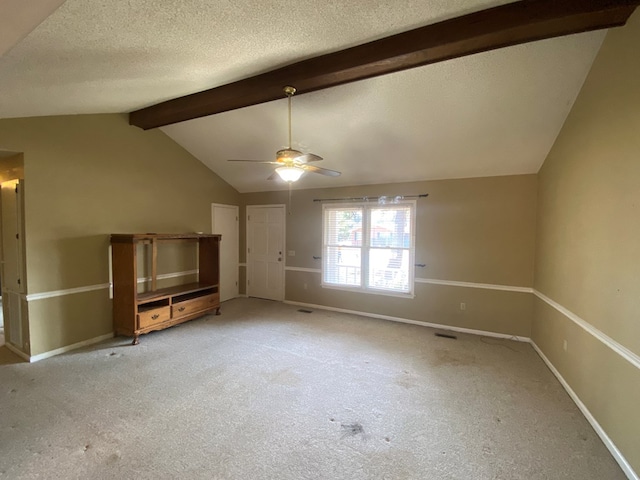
(280, 259)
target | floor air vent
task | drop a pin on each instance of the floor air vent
(446, 335)
(302, 310)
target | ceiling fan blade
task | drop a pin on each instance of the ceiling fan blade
(255, 161)
(307, 157)
(273, 176)
(321, 171)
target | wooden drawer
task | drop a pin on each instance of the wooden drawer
(152, 317)
(194, 305)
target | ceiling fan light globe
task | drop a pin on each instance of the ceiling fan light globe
(289, 174)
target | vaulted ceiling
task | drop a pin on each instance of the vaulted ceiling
(494, 113)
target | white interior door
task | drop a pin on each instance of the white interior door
(265, 249)
(224, 221)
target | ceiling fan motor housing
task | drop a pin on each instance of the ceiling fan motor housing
(287, 154)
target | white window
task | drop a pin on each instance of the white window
(369, 247)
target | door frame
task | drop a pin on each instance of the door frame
(13, 304)
(284, 245)
(236, 208)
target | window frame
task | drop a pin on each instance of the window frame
(366, 248)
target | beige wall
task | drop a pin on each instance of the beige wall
(588, 244)
(478, 230)
(86, 177)
(11, 167)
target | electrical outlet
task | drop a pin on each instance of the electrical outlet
(292, 253)
(564, 345)
(463, 306)
(305, 286)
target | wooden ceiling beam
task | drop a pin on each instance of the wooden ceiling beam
(511, 24)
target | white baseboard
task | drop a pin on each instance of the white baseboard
(68, 348)
(20, 353)
(617, 455)
(414, 322)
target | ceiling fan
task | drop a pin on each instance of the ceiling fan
(292, 164)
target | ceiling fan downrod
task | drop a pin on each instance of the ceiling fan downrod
(289, 91)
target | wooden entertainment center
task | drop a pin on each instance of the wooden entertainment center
(136, 313)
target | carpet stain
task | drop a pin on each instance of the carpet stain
(406, 380)
(114, 457)
(352, 429)
(448, 358)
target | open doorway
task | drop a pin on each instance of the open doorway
(14, 325)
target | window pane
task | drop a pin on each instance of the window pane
(343, 226)
(342, 266)
(391, 226)
(389, 269)
(369, 247)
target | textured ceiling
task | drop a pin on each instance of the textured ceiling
(495, 113)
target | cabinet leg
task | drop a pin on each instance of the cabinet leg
(218, 311)
(136, 340)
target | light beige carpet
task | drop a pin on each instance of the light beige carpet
(266, 392)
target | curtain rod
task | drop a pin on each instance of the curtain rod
(366, 199)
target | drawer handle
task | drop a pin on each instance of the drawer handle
(155, 316)
(181, 309)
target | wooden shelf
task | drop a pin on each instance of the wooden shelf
(138, 313)
(161, 293)
(141, 237)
